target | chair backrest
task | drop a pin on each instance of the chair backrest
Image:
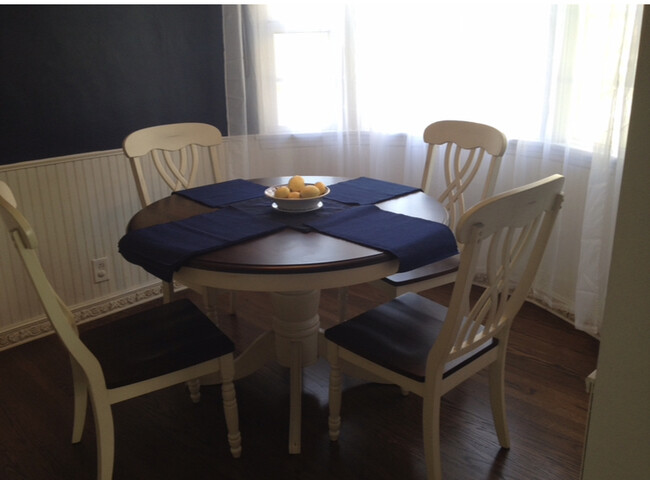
(466, 146)
(174, 152)
(515, 227)
(59, 314)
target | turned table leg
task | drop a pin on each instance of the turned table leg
(295, 327)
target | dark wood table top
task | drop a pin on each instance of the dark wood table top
(288, 251)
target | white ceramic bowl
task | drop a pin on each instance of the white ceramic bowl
(295, 205)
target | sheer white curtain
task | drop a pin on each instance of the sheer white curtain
(347, 89)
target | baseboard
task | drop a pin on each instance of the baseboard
(41, 326)
(558, 308)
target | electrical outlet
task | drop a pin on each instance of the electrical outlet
(100, 269)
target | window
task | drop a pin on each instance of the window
(533, 70)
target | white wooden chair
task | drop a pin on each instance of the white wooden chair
(173, 152)
(426, 348)
(468, 146)
(130, 357)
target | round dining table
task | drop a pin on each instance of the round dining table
(293, 266)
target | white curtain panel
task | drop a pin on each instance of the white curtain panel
(347, 89)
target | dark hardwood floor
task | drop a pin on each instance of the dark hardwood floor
(165, 436)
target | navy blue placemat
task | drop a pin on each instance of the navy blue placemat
(224, 193)
(162, 249)
(367, 191)
(261, 208)
(414, 241)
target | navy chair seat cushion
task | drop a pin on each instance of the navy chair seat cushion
(427, 272)
(398, 335)
(155, 342)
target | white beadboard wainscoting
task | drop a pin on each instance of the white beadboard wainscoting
(79, 207)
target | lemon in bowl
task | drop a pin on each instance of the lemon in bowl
(309, 191)
(282, 192)
(296, 183)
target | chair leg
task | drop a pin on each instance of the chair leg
(194, 386)
(335, 394)
(105, 439)
(167, 291)
(232, 303)
(343, 304)
(212, 299)
(211, 303)
(80, 386)
(232, 415)
(496, 379)
(431, 436)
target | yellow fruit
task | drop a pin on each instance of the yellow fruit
(296, 183)
(294, 195)
(321, 187)
(309, 191)
(282, 192)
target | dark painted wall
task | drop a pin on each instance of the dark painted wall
(80, 78)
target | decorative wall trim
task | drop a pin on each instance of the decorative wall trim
(59, 160)
(66, 158)
(556, 307)
(41, 326)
